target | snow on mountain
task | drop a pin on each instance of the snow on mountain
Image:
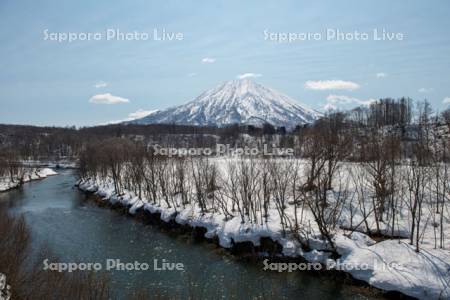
(238, 101)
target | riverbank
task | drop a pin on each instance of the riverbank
(30, 174)
(267, 254)
(22, 277)
(390, 265)
(69, 223)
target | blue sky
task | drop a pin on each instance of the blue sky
(46, 82)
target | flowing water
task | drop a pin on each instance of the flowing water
(75, 229)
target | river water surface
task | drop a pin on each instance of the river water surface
(75, 229)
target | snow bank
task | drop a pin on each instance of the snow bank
(42, 173)
(30, 174)
(391, 265)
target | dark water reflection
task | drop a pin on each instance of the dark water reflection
(76, 230)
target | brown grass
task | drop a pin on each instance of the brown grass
(26, 276)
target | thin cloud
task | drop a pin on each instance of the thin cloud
(323, 85)
(208, 60)
(192, 74)
(446, 100)
(425, 90)
(333, 101)
(107, 99)
(381, 75)
(248, 75)
(100, 84)
(140, 113)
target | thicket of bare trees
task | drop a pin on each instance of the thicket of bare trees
(385, 112)
(409, 176)
(11, 166)
(386, 186)
(253, 189)
(373, 163)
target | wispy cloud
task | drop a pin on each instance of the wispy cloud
(333, 101)
(323, 85)
(381, 75)
(140, 113)
(100, 84)
(248, 75)
(107, 99)
(208, 60)
(446, 100)
(192, 74)
(425, 90)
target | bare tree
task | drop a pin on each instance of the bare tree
(280, 176)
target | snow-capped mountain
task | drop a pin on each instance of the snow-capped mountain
(238, 101)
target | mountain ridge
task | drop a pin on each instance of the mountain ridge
(239, 101)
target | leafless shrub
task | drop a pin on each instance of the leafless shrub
(26, 276)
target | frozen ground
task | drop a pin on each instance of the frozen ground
(389, 264)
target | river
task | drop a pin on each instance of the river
(75, 229)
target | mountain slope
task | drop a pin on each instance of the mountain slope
(238, 101)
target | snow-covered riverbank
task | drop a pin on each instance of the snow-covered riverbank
(391, 265)
(30, 174)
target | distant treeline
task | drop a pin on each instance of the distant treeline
(33, 142)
